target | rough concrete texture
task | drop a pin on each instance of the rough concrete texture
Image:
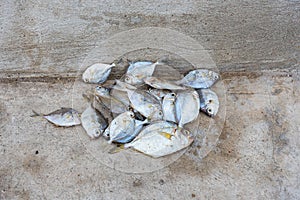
(255, 45)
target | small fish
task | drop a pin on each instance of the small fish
(63, 117)
(124, 128)
(209, 102)
(157, 93)
(137, 71)
(97, 73)
(200, 78)
(168, 107)
(93, 122)
(187, 107)
(145, 104)
(115, 105)
(162, 84)
(161, 142)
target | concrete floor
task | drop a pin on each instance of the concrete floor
(255, 47)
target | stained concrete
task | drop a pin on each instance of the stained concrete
(254, 44)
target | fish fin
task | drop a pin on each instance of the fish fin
(112, 64)
(166, 135)
(36, 114)
(116, 149)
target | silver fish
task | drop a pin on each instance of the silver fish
(137, 71)
(161, 142)
(162, 84)
(200, 78)
(168, 107)
(63, 117)
(145, 104)
(209, 102)
(97, 73)
(93, 122)
(115, 105)
(187, 107)
(124, 128)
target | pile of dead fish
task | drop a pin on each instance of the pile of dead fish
(140, 111)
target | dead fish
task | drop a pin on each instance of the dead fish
(162, 84)
(145, 104)
(63, 117)
(97, 73)
(137, 71)
(200, 78)
(161, 142)
(124, 128)
(168, 107)
(187, 107)
(209, 102)
(93, 122)
(115, 105)
(157, 93)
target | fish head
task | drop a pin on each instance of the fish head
(184, 136)
(170, 96)
(132, 80)
(211, 109)
(106, 133)
(131, 114)
(157, 115)
(102, 91)
(214, 76)
(97, 133)
(188, 135)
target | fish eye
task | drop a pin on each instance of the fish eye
(160, 113)
(209, 110)
(127, 78)
(132, 115)
(210, 101)
(186, 132)
(216, 77)
(173, 94)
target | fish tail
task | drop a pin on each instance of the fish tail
(36, 114)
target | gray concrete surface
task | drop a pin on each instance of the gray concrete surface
(255, 45)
